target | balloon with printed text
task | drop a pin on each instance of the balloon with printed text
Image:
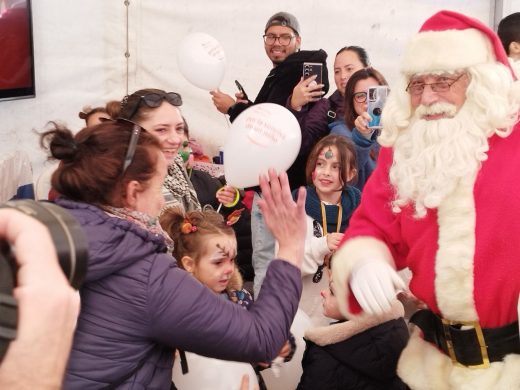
(201, 60)
(264, 136)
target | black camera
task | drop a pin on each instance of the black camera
(71, 247)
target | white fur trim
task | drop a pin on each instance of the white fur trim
(423, 367)
(454, 261)
(353, 251)
(335, 333)
(446, 50)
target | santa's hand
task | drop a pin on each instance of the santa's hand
(375, 284)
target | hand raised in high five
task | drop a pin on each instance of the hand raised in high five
(284, 217)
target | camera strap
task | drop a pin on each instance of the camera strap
(8, 305)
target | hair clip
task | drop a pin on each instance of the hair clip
(187, 227)
(234, 217)
(124, 101)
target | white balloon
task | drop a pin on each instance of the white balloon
(287, 375)
(202, 60)
(264, 136)
(211, 374)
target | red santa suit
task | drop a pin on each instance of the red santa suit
(464, 257)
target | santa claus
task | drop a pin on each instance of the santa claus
(444, 201)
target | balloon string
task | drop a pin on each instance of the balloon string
(219, 207)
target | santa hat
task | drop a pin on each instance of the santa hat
(450, 41)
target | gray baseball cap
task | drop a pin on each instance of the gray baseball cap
(283, 19)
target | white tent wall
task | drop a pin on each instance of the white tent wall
(80, 52)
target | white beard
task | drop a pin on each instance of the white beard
(431, 157)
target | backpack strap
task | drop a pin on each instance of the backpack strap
(331, 113)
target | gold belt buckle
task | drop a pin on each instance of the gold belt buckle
(480, 337)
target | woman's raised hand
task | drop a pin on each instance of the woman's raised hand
(284, 217)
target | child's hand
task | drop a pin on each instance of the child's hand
(333, 240)
(226, 195)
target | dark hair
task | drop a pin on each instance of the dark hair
(347, 157)
(207, 222)
(186, 128)
(360, 52)
(362, 74)
(113, 108)
(509, 30)
(92, 161)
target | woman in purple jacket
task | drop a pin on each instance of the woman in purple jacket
(137, 306)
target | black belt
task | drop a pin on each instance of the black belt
(473, 347)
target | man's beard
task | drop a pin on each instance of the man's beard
(431, 157)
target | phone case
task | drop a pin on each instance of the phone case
(313, 68)
(376, 98)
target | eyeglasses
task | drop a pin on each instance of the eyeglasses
(132, 145)
(416, 88)
(131, 103)
(284, 39)
(360, 97)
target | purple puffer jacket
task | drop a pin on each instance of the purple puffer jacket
(137, 303)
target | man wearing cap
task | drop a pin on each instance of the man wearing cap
(282, 42)
(444, 201)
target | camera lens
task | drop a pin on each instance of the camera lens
(66, 234)
(377, 111)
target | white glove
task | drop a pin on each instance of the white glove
(375, 285)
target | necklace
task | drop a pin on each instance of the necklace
(319, 272)
(324, 218)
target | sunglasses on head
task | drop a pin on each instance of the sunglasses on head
(132, 144)
(131, 103)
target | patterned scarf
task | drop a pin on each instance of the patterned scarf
(179, 188)
(143, 220)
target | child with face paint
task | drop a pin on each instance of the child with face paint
(205, 245)
(331, 200)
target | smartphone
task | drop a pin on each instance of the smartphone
(311, 69)
(376, 97)
(241, 89)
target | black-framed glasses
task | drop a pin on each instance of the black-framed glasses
(284, 39)
(360, 97)
(416, 88)
(131, 103)
(132, 144)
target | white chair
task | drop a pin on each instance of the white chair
(16, 177)
(43, 183)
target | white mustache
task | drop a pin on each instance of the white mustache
(435, 109)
